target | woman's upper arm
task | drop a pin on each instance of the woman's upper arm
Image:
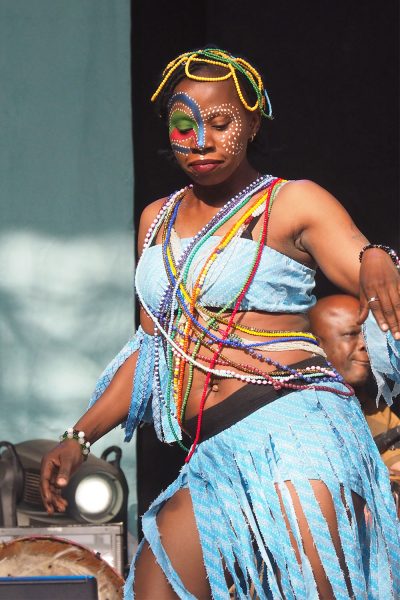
(147, 217)
(328, 233)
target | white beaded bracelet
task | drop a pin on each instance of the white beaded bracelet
(79, 436)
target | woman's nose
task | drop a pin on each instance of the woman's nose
(202, 149)
(204, 142)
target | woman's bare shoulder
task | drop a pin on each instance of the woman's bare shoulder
(147, 217)
(302, 188)
(151, 210)
(307, 192)
(304, 202)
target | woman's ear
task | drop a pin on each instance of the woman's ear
(254, 124)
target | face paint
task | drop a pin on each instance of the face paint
(230, 135)
(186, 125)
(183, 131)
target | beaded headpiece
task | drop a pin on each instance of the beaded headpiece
(232, 64)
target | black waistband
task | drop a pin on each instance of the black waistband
(242, 403)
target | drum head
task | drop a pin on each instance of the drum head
(45, 555)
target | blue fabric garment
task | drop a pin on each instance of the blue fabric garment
(144, 388)
(233, 480)
(232, 476)
(281, 284)
(384, 355)
(236, 479)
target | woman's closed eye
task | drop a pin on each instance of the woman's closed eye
(220, 127)
(185, 130)
(184, 126)
(219, 122)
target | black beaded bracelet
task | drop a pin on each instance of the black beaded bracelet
(79, 436)
(387, 249)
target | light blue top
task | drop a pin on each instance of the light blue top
(281, 284)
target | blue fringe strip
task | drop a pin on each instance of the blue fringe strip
(384, 355)
(144, 388)
(141, 386)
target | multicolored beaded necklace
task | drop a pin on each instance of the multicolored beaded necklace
(180, 334)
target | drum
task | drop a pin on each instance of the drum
(46, 555)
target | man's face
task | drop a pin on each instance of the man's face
(342, 339)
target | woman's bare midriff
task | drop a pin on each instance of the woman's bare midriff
(221, 388)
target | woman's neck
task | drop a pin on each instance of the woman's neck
(219, 194)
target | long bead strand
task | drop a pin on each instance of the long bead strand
(225, 334)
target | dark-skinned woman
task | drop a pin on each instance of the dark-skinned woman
(283, 494)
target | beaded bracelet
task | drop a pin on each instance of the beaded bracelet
(79, 436)
(387, 249)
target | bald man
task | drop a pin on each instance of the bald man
(334, 322)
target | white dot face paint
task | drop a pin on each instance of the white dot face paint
(189, 125)
(226, 118)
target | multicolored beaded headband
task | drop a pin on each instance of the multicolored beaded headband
(221, 58)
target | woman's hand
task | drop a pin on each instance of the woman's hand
(380, 290)
(110, 410)
(57, 467)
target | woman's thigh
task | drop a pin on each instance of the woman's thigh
(310, 548)
(180, 539)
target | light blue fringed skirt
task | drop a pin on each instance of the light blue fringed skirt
(234, 478)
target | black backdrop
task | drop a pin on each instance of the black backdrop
(331, 68)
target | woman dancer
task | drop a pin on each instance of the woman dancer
(283, 494)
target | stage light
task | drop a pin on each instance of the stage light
(95, 498)
(97, 492)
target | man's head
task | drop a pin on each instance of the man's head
(334, 322)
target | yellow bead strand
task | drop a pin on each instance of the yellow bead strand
(231, 63)
(207, 61)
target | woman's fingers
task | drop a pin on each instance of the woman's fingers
(64, 471)
(55, 474)
(380, 289)
(395, 300)
(48, 470)
(385, 306)
(376, 307)
(58, 502)
(386, 313)
(364, 309)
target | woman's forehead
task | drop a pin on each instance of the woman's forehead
(181, 105)
(206, 94)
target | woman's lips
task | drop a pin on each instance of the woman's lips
(204, 166)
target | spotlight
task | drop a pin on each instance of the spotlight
(95, 498)
(11, 484)
(97, 492)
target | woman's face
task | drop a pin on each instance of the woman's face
(209, 129)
